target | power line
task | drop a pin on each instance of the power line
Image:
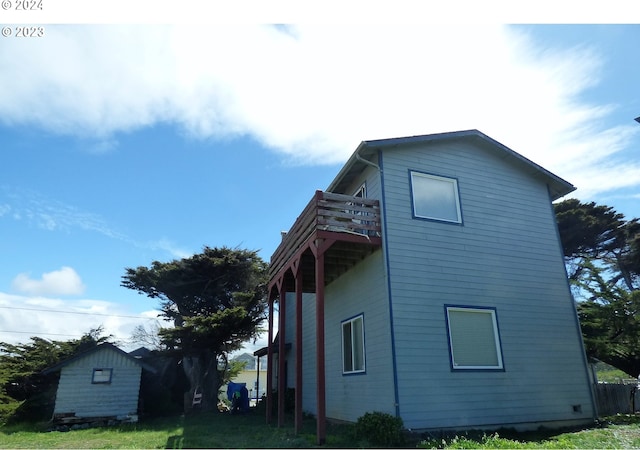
(77, 312)
(38, 333)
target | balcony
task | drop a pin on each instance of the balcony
(345, 228)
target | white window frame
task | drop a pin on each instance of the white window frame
(353, 345)
(494, 342)
(101, 376)
(414, 176)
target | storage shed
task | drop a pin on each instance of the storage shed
(100, 384)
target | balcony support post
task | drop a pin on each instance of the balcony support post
(270, 362)
(282, 314)
(320, 354)
(298, 282)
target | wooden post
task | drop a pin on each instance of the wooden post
(321, 419)
(269, 361)
(257, 379)
(281, 356)
(298, 418)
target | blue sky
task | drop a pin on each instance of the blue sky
(121, 145)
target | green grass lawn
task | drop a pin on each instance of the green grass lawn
(215, 430)
(205, 430)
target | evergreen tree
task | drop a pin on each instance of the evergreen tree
(21, 365)
(602, 255)
(216, 300)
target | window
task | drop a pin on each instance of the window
(101, 376)
(353, 345)
(361, 192)
(435, 197)
(474, 341)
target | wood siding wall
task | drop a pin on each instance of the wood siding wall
(76, 394)
(348, 396)
(308, 349)
(505, 255)
(362, 290)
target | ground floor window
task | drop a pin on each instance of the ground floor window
(353, 345)
(474, 340)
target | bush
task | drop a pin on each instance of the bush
(289, 402)
(380, 429)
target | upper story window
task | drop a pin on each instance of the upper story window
(353, 345)
(435, 197)
(361, 192)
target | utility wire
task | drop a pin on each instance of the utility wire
(39, 333)
(77, 312)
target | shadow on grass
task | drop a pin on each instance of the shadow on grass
(224, 430)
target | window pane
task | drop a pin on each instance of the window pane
(473, 338)
(358, 344)
(435, 197)
(101, 376)
(346, 347)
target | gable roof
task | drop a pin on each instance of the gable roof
(368, 149)
(93, 350)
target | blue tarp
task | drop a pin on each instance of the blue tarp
(243, 403)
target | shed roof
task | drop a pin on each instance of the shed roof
(367, 150)
(93, 350)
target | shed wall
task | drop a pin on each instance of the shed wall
(76, 393)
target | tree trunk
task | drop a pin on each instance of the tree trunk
(201, 372)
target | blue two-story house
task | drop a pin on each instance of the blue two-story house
(427, 281)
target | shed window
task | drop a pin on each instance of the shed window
(102, 376)
(474, 340)
(353, 345)
(435, 197)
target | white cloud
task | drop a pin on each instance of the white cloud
(56, 319)
(64, 281)
(312, 93)
(22, 317)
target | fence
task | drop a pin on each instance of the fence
(617, 398)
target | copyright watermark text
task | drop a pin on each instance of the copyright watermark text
(22, 5)
(23, 31)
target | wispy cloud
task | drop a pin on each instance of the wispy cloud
(170, 247)
(311, 93)
(50, 214)
(4, 209)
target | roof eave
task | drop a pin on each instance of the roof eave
(558, 187)
(88, 352)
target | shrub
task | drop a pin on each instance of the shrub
(380, 429)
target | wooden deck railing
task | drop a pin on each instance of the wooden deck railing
(328, 212)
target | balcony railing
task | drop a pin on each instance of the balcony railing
(356, 217)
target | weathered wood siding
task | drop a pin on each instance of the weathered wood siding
(505, 255)
(76, 394)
